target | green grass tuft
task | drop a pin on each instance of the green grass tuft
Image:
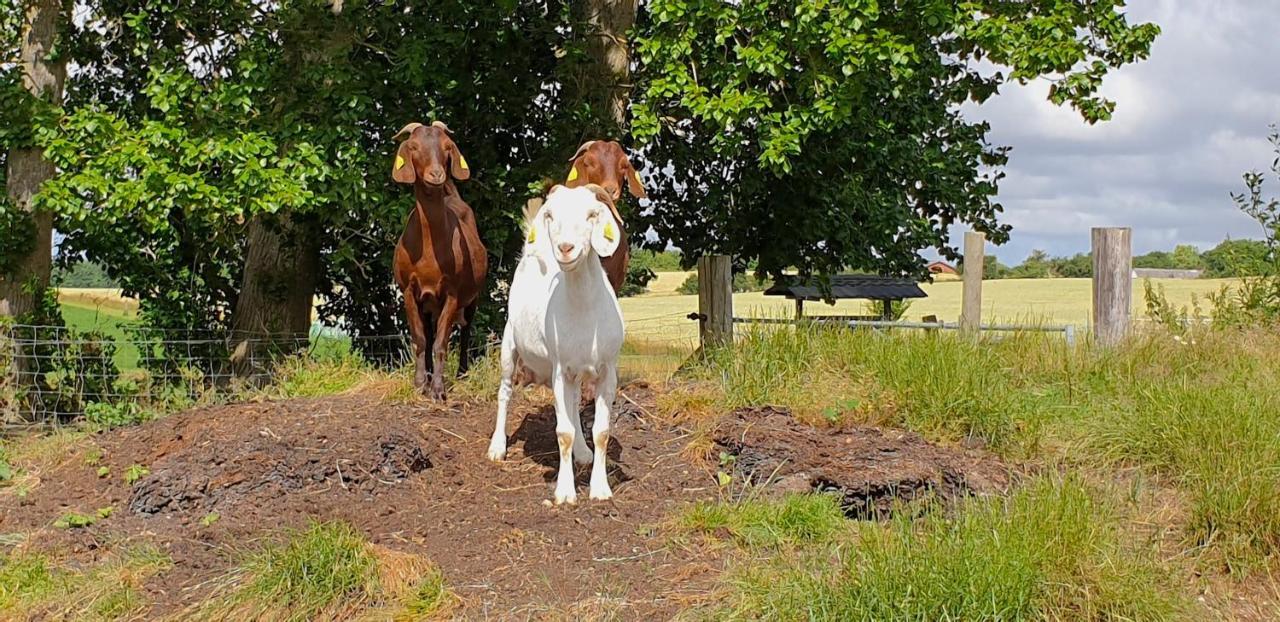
(26, 579)
(427, 598)
(1049, 552)
(33, 587)
(317, 571)
(302, 376)
(769, 523)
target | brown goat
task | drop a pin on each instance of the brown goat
(605, 164)
(440, 261)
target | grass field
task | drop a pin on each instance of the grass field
(660, 332)
(660, 315)
(102, 310)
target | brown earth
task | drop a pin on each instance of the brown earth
(414, 478)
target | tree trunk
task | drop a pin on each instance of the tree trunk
(273, 311)
(607, 83)
(27, 168)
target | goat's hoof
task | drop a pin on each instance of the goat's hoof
(497, 451)
(566, 498)
(600, 490)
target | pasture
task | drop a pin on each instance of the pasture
(1000, 479)
(660, 315)
(660, 335)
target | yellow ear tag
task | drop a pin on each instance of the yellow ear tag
(637, 176)
(399, 162)
(573, 173)
(532, 235)
(462, 162)
(608, 231)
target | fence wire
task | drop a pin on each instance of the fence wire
(52, 374)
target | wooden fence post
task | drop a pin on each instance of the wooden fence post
(715, 300)
(1112, 283)
(974, 265)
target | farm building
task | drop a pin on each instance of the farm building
(942, 267)
(1160, 273)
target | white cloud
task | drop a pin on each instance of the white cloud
(1189, 122)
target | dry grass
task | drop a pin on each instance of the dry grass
(38, 587)
(32, 457)
(101, 299)
(661, 316)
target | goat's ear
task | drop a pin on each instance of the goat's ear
(531, 208)
(458, 165)
(633, 179)
(606, 235)
(403, 171)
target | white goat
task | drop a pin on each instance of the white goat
(566, 325)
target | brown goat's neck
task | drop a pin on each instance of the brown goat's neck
(431, 202)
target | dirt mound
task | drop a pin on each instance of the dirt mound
(414, 479)
(871, 469)
(258, 466)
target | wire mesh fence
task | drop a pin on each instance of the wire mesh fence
(51, 374)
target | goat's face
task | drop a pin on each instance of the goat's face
(427, 154)
(605, 164)
(575, 220)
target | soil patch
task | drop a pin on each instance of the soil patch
(415, 479)
(872, 470)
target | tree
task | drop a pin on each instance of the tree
(829, 135)
(1266, 211)
(1159, 260)
(1236, 258)
(267, 142)
(605, 79)
(1186, 257)
(29, 89)
(1036, 266)
(1078, 266)
(992, 269)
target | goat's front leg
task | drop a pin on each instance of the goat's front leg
(440, 349)
(418, 333)
(606, 388)
(566, 390)
(498, 444)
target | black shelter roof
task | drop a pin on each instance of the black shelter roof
(843, 286)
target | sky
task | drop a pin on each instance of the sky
(1189, 121)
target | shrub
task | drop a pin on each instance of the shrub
(742, 282)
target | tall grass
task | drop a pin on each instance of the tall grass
(1199, 409)
(1206, 416)
(1051, 551)
(944, 385)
